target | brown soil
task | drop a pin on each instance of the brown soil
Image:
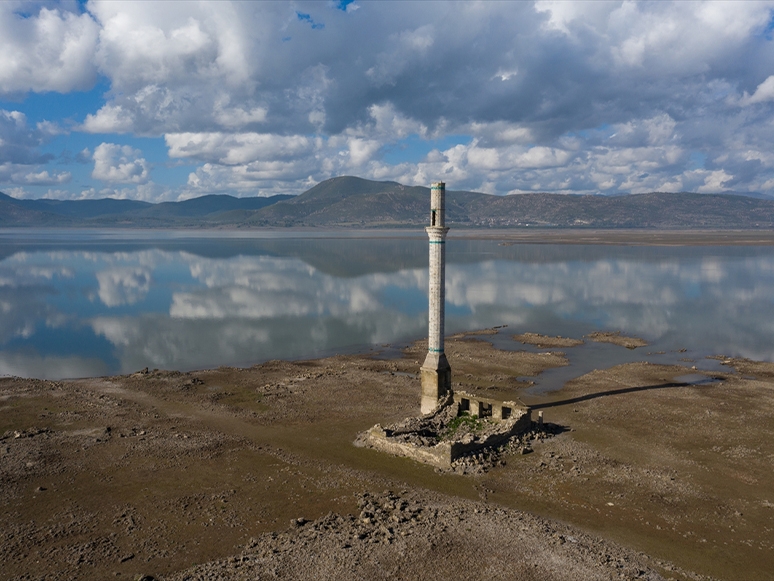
(544, 341)
(197, 475)
(616, 338)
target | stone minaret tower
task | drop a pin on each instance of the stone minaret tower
(435, 371)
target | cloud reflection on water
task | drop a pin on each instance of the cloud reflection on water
(123, 285)
(179, 310)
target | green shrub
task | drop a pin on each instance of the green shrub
(464, 422)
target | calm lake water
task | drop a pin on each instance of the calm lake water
(88, 303)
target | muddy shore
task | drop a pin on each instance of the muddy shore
(655, 472)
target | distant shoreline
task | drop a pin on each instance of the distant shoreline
(613, 236)
(629, 237)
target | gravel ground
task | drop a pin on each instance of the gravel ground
(419, 535)
(199, 475)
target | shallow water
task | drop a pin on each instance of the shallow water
(85, 303)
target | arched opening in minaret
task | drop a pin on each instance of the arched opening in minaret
(432, 217)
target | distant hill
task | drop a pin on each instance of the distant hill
(211, 205)
(14, 212)
(355, 202)
(654, 210)
(202, 211)
(82, 208)
(351, 201)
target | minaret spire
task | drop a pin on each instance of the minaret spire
(435, 371)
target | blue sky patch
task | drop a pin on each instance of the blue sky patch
(414, 147)
(303, 17)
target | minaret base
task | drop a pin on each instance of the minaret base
(436, 381)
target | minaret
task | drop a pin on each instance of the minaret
(435, 371)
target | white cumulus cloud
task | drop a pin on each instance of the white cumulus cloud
(50, 50)
(42, 178)
(119, 164)
(587, 97)
(764, 93)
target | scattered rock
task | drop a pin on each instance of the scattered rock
(544, 341)
(615, 338)
(404, 529)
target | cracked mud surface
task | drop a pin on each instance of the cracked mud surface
(204, 475)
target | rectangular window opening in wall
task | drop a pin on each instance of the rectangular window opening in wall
(432, 217)
(486, 410)
(506, 412)
(464, 405)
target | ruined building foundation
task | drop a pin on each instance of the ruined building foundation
(510, 419)
(435, 371)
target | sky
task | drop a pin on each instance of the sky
(162, 101)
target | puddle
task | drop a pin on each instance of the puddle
(585, 358)
(592, 355)
(696, 379)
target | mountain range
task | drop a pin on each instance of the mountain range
(355, 202)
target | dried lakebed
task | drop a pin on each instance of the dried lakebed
(657, 472)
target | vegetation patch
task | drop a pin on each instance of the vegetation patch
(463, 424)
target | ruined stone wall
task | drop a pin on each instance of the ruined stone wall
(487, 407)
(443, 454)
(438, 455)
